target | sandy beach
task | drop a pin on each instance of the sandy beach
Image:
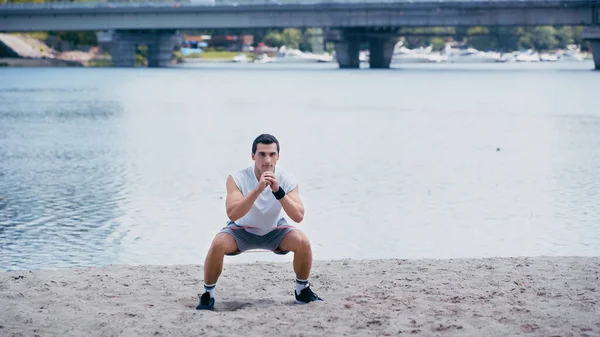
(542, 296)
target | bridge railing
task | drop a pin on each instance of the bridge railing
(73, 3)
(57, 4)
(127, 3)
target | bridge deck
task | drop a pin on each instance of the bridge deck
(106, 15)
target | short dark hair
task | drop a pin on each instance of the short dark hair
(265, 138)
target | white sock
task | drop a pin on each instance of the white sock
(210, 288)
(300, 284)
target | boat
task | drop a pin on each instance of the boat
(285, 55)
(572, 53)
(402, 54)
(263, 58)
(240, 58)
(470, 55)
(527, 56)
(547, 57)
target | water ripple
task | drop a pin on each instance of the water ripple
(400, 164)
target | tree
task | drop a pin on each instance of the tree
(482, 38)
(565, 36)
(508, 38)
(437, 43)
(577, 37)
(273, 39)
(77, 38)
(525, 38)
(544, 38)
(292, 37)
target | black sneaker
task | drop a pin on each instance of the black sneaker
(206, 302)
(306, 296)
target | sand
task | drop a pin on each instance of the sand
(543, 296)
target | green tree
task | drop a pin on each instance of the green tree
(21, 1)
(437, 43)
(435, 36)
(77, 38)
(525, 38)
(565, 36)
(577, 37)
(508, 39)
(273, 39)
(310, 36)
(289, 37)
(292, 37)
(544, 38)
(482, 38)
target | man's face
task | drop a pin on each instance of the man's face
(266, 157)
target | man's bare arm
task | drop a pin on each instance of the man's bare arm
(292, 205)
(236, 204)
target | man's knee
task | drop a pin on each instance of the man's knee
(223, 243)
(297, 241)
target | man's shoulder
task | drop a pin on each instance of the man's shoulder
(288, 178)
(241, 176)
(241, 171)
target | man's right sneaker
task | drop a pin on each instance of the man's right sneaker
(306, 296)
(206, 302)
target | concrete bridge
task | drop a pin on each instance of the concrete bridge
(349, 22)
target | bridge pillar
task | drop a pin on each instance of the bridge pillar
(381, 41)
(596, 52)
(122, 45)
(381, 50)
(160, 48)
(592, 34)
(347, 52)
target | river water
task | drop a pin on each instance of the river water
(106, 166)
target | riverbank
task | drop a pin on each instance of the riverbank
(543, 296)
(22, 50)
(37, 62)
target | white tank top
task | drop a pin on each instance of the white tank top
(266, 211)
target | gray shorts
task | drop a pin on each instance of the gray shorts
(246, 240)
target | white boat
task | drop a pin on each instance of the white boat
(240, 58)
(286, 55)
(508, 57)
(527, 56)
(202, 2)
(363, 56)
(263, 58)
(547, 57)
(325, 57)
(417, 55)
(470, 55)
(572, 53)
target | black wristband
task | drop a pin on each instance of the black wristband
(279, 194)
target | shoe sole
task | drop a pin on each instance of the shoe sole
(204, 308)
(300, 302)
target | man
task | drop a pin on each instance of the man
(256, 197)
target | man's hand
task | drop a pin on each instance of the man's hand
(263, 182)
(270, 177)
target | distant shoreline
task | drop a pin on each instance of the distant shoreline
(541, 296)
(206, 60)
(48, 62)
(38, 62)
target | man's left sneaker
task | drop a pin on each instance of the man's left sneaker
(306, 296)
(206, 302)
